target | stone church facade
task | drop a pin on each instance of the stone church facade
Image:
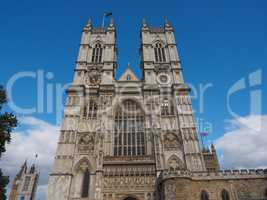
(25, 183)
(131, 139)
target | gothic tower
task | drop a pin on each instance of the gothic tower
(162, 73)
(117, 136)
(25, 184)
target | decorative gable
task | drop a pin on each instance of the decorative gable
(128, 75)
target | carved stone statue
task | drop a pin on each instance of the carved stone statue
(175, 163)
(93, 75)
(86, 143)
(171, 142)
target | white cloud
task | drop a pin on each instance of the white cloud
(244, 145)
(41, 192)
(36, 137)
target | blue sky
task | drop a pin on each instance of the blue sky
(219, 42)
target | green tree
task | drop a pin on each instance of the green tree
(3, 183)
(8, 122)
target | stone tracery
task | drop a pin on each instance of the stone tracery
(175, 163)
(129, 130)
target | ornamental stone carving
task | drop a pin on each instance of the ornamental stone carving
(93, 76)
(175, 163)
(126, 181)
(171, 142)
(86, 143)
(162, 68)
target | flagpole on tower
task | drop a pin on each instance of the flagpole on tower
(202, 135)
(103, 20)
(106, 14)
(36, 156)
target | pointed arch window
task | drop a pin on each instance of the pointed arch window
(26, 183)
(90, 110)
(225, 195)
(85, 184)
(128, 77)
(159, 52)
(129, 130)
(167, 107)
(97, 53)
(204, 195)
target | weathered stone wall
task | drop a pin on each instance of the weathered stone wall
(186, 189)
(239, 187)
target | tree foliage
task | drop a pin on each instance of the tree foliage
(3, 183)
(8, 122)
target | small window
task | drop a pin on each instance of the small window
(90, 111)
(167, 107)
(225, 195)
(22, 198)
(204, 195)
(97, 53)
(26, 183)
(128, 78)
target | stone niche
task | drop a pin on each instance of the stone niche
(86, 143)
(171, 142)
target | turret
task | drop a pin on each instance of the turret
(25, 183)
(167, 25)
(213, 148)
(211, 159)
(32, 169)
(22, 170)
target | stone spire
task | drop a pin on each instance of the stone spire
(88, 25)
(22, 170)
(167, 24)
(111, 25)
(213, 148)
(144, 23)
(111, 21)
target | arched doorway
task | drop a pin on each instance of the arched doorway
(130, 198)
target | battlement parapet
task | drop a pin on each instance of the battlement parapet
(223, 174)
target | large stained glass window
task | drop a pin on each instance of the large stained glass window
(129, 130)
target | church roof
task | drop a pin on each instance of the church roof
(128, 75)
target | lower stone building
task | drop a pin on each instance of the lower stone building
(221, 185)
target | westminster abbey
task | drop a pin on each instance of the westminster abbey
(135, 138)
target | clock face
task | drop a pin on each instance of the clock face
(163, 78)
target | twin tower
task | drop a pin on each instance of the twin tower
(119, 135)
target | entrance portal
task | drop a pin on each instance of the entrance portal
(130, 198)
